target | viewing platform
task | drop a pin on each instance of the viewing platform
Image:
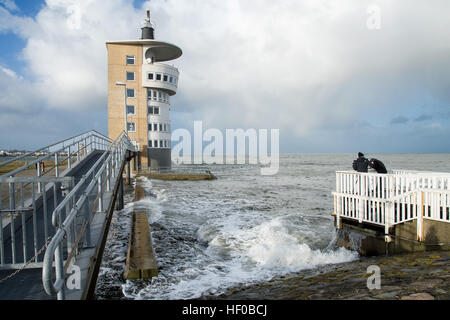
(402, 211)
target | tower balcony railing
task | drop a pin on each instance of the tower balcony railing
(163, 77)
(389, 199)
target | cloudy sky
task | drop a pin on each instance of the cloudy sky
(334, 76)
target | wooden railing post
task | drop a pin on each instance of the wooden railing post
(362, 207)
(420, 217)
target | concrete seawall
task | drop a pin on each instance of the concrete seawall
(370, 240)
(179, 176)
(141, 262)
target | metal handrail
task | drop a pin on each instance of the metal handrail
(83, 136)
(52, 145)
(58, 210)
(110, 168)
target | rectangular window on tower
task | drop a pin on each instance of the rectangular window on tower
(130, 76)
(165, 78)
(150, 76)
(150, 127)
(150, 110)
(155, 144)
(158, 76)
(130, 60)
(130, 93)
(150, 143)
(156, 110)
(160, 127)
(130, 110)
(155, 127)
(131, 127)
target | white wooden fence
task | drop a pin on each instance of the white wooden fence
(390, 199)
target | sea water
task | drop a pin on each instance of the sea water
(243, 228)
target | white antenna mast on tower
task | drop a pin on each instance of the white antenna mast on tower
(147, 22)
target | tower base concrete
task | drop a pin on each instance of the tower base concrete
(159, 158)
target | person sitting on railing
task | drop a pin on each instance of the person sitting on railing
(361, 164)
(377, 165)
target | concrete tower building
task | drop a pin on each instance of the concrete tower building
(140, 87)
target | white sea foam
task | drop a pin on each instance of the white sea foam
(271, 246)
(237, 252)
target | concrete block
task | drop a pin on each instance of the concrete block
(141, 262)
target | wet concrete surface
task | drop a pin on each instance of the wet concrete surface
(414, 276)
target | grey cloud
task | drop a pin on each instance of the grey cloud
(423, 117)
(399, 120)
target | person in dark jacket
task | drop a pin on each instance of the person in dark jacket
(377, 165)
(361, 164)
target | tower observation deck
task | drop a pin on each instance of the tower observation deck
(136, 70)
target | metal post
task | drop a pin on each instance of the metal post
(100, 193)
(44, 201)
(70, 234)
(59, 264)
(70, 160)
(88, 219)
(128, 175)
(108, 177)
(56, 165)
(33, 197)
(119, 205)
(24, 227)
(12, 206)
(39, 173)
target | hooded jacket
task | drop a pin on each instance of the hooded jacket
(361, 164)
